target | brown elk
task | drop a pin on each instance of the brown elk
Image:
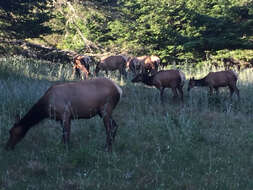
(112, 63)
(151, 64)
(75, 100)
(81, 64)
(215, 80)
(134, 64)
(147, 64)
(173, 79)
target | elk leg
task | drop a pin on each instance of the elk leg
(217, 90)
(234, 89)
(180, 90)
(85, 73)
(161, 93)
(78, 72)
(108, 127)
(231, 89)
(120, 73)
(136, 69)
(97, 70)
(237, 92)
(124, 72)
(174, 90)
(114, 129)
(66, 130)
(105, 113)
(211, 90)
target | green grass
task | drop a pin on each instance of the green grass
(206, 143)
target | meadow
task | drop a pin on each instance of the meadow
(205, 143)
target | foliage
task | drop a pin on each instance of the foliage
(24, 19)
(170, 29)
(176, 31)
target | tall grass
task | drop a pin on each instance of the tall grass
(205, 143)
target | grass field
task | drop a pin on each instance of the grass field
(205, 143)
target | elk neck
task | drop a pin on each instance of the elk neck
(148, 80)
(33, 116)
(201, 82)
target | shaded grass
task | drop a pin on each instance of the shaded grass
(206, 143)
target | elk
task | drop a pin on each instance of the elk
(151, 64)
(81, 64)
(147, 64)
(134, 64)
(173, 79)
(112, 63)
(230, 63)
(215, 80)
(68, 101)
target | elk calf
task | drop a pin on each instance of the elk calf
(215, 80)
(173, 79)
(75, 100)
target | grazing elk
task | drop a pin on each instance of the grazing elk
(215, 80)
(173, 79)
(81, 64)
(229, 63)
(147, 64)
(134, 64)
(112, 63)
(75, 100)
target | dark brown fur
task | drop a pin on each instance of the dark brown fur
(215, 80)
(112, 63)
(135, 64)
(173, 79)
(76, 100)
(144, 64)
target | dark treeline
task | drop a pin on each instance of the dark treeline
(174, 30)
(22, 19)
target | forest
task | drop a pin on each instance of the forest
(200, 141)
(179, 32)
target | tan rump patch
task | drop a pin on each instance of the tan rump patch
(118, 88)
